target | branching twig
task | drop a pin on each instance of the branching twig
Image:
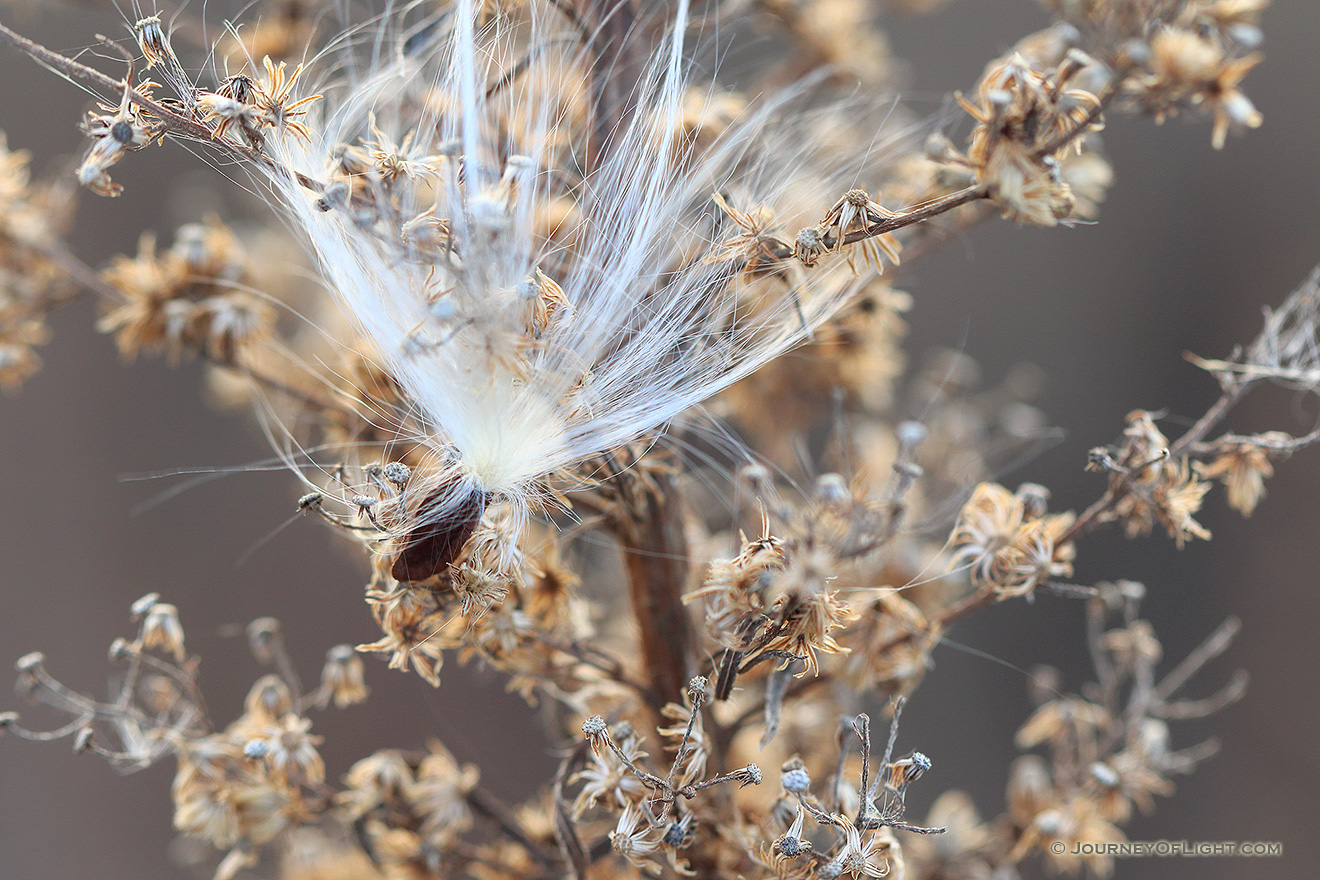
(176, 123)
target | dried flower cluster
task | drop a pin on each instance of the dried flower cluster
(31, 281)
(550, 229)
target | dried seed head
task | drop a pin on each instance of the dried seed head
(679, 833)
(264, 639)
(161, 629)
(795, 779)
(342, 677)
(122, 132)
(749, 775)
(809, 245)
(1104, 774)
(904, 772)
(30, 662)
(155, 46)
(256, 749)
(792, 847)
(832, 491)
(268, 700)
(143, 605)
(397, 473)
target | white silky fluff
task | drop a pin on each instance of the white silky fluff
(653, 330)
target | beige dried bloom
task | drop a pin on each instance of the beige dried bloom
(1060, 719)
(275, 101)
(872, 857)
(1005, 546)
(410, 626)
(290, 751)
(1021, 114)
(754, 246)
(268, 700)
(1147, 487)
(634, 837)
(155, 46)
(1243, 469)
(1194, 68)
(376, 780)
(857, 212)
(890, 644)
(805, 624)
(161, 629)
(342, 677)
(439, 794)
(1030, 789)
(735, 589)
(1069, 825)
(608, 775)
(183, 300)
(841, 34)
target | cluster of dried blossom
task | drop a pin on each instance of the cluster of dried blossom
(812, 605)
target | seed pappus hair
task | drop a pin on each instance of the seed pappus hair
(525, 350)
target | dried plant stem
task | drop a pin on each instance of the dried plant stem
(1213, 416)
(1211, 648)
(655, 556)
(1094, 515)
(598, 660)
(616, 63)
(975, 193)
(486, 804)
(916, 215)
(1285, 446)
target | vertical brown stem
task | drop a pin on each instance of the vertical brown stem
(655, 555)
(616, 70)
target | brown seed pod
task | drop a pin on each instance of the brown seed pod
(435, 542)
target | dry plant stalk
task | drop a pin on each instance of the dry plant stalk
(551, 229)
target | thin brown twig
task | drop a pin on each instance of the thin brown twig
(1213, 416)
(1280, 446)
(486, 804)
(1212, 647)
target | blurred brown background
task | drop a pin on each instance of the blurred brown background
(1191, 244)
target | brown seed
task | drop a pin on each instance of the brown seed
(435, 542)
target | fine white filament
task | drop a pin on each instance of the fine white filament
(445, 273)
